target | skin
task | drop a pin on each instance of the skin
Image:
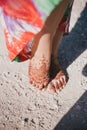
(44, 53)
(58, 77)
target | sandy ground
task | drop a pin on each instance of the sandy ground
(22, 107)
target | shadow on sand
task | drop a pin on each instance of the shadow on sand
(76, 118)
(71, 47)
(75, 43)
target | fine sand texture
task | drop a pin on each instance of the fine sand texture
(23, 107)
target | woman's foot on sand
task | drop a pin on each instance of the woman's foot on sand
(40, 62)
(39, 72)
(58, 78)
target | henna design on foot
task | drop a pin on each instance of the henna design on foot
(39, 72)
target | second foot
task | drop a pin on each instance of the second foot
(58, 77)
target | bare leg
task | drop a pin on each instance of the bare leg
(56, 42)
(40, 62)
(42, 48)
(58, 78)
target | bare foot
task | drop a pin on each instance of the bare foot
(58, 78)
(40, 62)
(39, 72)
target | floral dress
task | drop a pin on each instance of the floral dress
(23, 19)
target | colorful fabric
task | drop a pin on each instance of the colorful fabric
(22, 19)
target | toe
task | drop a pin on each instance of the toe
(44, 89)
(51, 88)
(63, 81)
(57, 87)
(38, 85)
(30, 81)
(55, 84)
(44, 86)
(34, 84)
(59, 84)
(41, 86)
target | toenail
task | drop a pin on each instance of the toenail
(44, 89)
(52, 90)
